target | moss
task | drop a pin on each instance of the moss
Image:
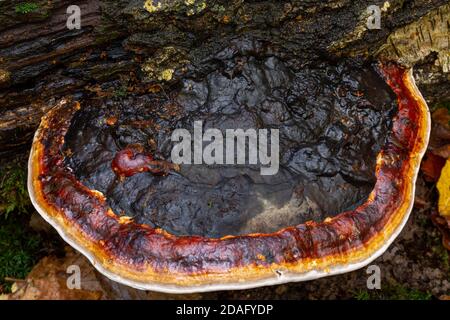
(218, 8)
(443, 256)
(403, 293)
(362, 295)
(19, 250)
(13, 190)
(392, 292)
(26, 7)
(20, 246)
(121, 92)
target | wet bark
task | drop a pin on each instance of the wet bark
(125, 48)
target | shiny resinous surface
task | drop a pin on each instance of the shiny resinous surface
(333, 119)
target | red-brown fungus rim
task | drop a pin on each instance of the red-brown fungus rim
(146, 258)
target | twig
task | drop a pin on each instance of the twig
(14, 279)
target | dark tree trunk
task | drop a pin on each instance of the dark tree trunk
(127, 47)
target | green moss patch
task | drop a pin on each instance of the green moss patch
(13, 190)
(26, 7)
(19, 249)
(393, 292)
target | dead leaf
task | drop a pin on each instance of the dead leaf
(443, 224)
(440, 133)
(37, 223)
(48, 281)
(441, 116)
(431, 166)
(443, 151)
(443, 186)
(155, 88)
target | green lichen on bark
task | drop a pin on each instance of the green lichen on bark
(163, 64)
(188, 7)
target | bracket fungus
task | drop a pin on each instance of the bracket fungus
(352, 136)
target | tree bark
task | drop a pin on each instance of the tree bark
(125, 48)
